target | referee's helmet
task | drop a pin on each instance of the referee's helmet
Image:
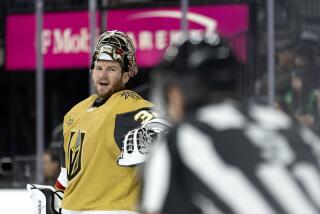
(199, 66)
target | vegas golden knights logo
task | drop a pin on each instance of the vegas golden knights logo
(75, 152)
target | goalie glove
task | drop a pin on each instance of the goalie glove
(138, 143)
(45, 199)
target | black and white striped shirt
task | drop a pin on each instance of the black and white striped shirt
(234, 160)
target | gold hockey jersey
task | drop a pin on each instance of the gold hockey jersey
(92, 144)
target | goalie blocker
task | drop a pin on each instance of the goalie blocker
(45, 199)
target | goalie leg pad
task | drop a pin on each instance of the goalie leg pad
(45, 199)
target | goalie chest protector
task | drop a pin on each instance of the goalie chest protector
(96, 182)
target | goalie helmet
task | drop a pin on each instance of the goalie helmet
(198, 66)
(119, 47)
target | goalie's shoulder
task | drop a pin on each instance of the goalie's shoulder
(128, 96)
(84, 104)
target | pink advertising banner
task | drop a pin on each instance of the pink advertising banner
(65, 41)
(66, 35)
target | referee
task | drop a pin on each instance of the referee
(224, 156)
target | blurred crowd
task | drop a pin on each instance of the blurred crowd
(297, 79)
(51, 165)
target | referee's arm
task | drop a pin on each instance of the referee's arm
(156, 179)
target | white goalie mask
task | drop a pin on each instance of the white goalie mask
(119, 47)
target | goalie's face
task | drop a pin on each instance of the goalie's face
(108, 77)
